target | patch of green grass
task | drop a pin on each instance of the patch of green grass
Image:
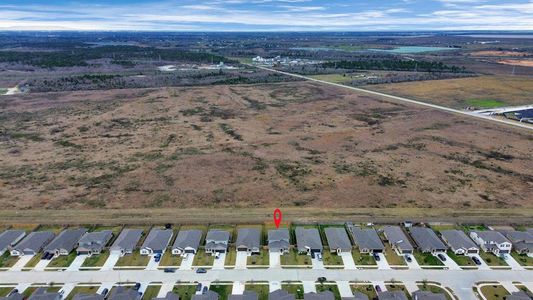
(261, 259)
(170, 260)
(494, 292)
(331, 259)
(461, 260)
(96, 260)
(262, 290)
(203, 259)
(82, 290)
(231, 257)
(223, 290)
(4, 291)
(296, 289)
(364, 259)
(492, 260)
(7, 261)
(329, 287)
(33, 261)
(185, 291)
(427, 259)
(434, 289)
(151, 292)
(523, 259)
(293, 258)
(366, 289)
(62, 261)
(393, 258)
(485, 103)
(133, 260)
(398, 287)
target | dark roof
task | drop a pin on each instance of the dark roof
(42, 294)
(127, 239)
(278, 239)
(67, 240)
(88, 297)
(188, 239)
(397, 237)
(325, 295)
(521, 295)
(158, 239)
(427, 295)
(217, 239)
(491, 236)
(249, 237)
(168, 296)
(35, 241)
(209, 295)
(522, 240)
(356, 296)
(123, 293)
(95, 240)
(367, 238)
(308, 238)
(280, 295)
(427, 239)
(247, 295)
(13, 296)
(394, 295)
(457, 239)
(8, 238)
(338, 238)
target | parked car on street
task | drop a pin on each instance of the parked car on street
(201, 271)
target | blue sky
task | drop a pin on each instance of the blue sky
(267, 15)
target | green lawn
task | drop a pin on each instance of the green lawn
(329, 287)
(170, 260)
(427, 259)
(434, 289)
(203, 259)
(524, 260)
(393, 258)
(335, 78)
(5, 290)
(331, 259)
(439, 228)
(364, 259)
(491, 259)
(231, 257)
(293, 258)
(260, 289)
(365, 289)
(398, 287)
(62, 261)
(485, 103)
(133, 260)
(82, 290)
(494, 292)
(96, 260)
(261, 259)
(185, 291)
(151, 292)
(54, 228)
(461, 260)
(33, 261)
(7, 261)
(295, 289)
(223, 290)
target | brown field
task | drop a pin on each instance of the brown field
(498, 53)
(517, 62)
(246, 146)
(456, 93)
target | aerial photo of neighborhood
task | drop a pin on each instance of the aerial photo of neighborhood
(266, 150)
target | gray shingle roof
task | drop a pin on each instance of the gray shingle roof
(522, 240)
(356, 296)
(280, 295)
(13, 296)
(42, 294)
(278, 239)
(249, 238)
(188, 239)
(426, 239)
(325, 295)
(247, 295)
(457, 239)
(217, 239)
(338, 238)
(35, 241)
(397, 237)
(308, 238)
(123, 293)
(394, 295)
(518, 296)
(367, 239)
(168, 296)
(209, 295)
(9, 238)
(95, 240)
(127, 240)
(66, 240)
(427, 295)
(88, 297)
(157, 239)
(492, 236)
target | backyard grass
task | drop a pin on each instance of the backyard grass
(426, 259)
(96, 260)
(296, 289)
(398, 287)
(329, 287)
(7, 261)
(151, 292)
(392, 258)
(494, 292)
(262, 290)
(203, 259)
(364, 259)
(461, 260)
(366, 289)
(53, 228)
(261, 259)
(523, 259)
(491, 259)
(133, 260)
(223, 290)
(434, 289)
(231, 257)
(62, 261)
(293, 258)
(26, 227)
(82, 290)
(170, 260)
(4, 291)
(185, 291)
(331, 259)
(115, 229)
(441, 227)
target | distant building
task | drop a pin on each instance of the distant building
(367, 240)
(156, 242)
(427, 240)
(459, 242)
(492, 241)
(397, 239)
(338, 240)
(187, 241)
(33, 243)
(522, 240)
(10, 238)
(126, 241)
(308, 240)
(279, 240)
(65, 242)
(92, 243)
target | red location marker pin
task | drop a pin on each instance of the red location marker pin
(277, 217)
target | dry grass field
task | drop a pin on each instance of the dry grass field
(244, 146)
(458, 93)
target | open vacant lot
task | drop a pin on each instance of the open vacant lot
(464, 92)
(290, 144)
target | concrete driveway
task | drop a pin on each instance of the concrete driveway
(186, 263)
(483, 265)
(111, 261)
(165, 288)
(381, 285)
(41, 265)
(274, 259)
(382, 263)
(219, 262)
(274, 286)
(512, 262)
(67, 289)
(152, 264)
(238, 288)
(77, 262)
(240, 261)
(413, 264)
(449, 262)
(344, 289)
(309, 287)
(347, 260)
(23, 260)
(317, 264)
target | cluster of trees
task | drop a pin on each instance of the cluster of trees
(394, 65)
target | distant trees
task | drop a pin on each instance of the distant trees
(393, 65)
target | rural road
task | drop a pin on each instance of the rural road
(443, 108)
(460, 281)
